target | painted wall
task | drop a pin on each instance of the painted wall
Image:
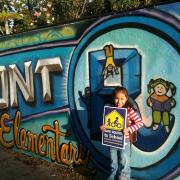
(60, 79)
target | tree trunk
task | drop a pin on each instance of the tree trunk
(7, 28)
(1, 30)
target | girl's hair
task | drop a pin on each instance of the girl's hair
(125, 92)
(168, 85)
(120, 89)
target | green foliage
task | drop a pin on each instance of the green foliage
(5, 16)
(30, 14)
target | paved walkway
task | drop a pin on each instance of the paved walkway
(16, 166)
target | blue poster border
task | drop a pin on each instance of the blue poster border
(125, 117)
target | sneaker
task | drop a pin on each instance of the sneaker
(155, 127)
(167, 129)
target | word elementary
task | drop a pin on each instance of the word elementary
(41, 144)
(26, 85)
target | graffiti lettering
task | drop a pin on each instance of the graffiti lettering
(44, 67)
(5, 129)
(41, 144)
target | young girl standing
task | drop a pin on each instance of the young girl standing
(120, 158)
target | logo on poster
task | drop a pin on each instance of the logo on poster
(114, 121)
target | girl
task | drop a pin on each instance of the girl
(120, 159)
(160, 102)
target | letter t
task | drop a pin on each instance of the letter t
(44, 66)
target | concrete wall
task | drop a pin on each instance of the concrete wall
(54, 85)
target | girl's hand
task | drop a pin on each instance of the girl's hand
(103, 128)
(126, 131)
(173, 103)
(150, 104)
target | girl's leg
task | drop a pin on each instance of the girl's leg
(156, 119)
(165, 118)
(125, 172)
(114, 163)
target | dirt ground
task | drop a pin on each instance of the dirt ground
(16, 166)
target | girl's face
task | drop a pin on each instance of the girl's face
(160, 90)
(120, 99)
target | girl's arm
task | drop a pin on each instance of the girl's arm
(149, 102)
(135, 121)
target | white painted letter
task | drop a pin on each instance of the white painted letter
(4, 85)
(27, 88)
(44, 66)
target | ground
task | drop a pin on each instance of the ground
(16, 166)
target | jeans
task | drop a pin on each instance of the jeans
(120, 163)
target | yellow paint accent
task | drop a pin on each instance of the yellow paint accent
(44, 35)
(110, 60)
(114, 121)
(48, 35)
(67, 31)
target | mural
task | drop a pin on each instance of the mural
(55, 83)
